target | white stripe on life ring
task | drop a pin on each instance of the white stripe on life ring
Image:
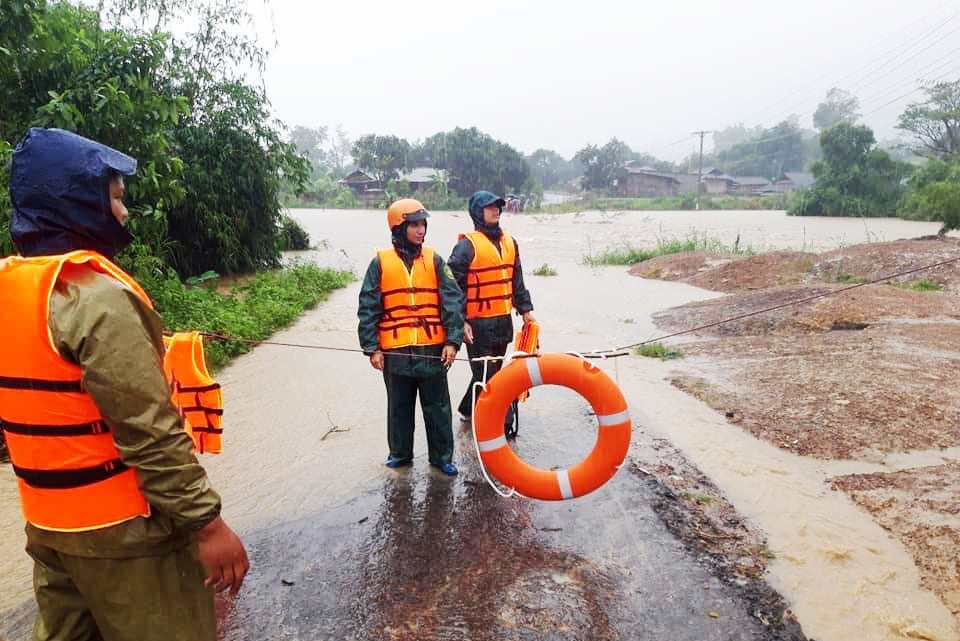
(493, 444)
(533, 368)
(614, 419)
(563, 478)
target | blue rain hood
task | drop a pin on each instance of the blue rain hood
(60, 188)
(478, 201)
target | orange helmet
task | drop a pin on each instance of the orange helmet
(405, 209)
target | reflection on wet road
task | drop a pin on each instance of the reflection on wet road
(418, 556)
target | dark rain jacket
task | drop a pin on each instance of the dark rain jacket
(496, 331)
(403, 361)
(60, 192)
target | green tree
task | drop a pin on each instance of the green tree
(935, 123)
(338, 152)
(69, 72)
(838, 106)
(547, 166)
(473, 160)
(310, 143)
(734, 135)
(781, 148)
(934, 194)
(180, 104)
(853, 178)
(942, 203)
(601, 164)
(382, 156)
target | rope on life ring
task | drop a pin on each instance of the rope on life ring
(599, 466)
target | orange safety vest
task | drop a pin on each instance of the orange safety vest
(68, 469)
(490, 276)
(197, 396)
(411, 301)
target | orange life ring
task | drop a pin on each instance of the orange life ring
(613, 435)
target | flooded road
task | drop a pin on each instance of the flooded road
(344, 548)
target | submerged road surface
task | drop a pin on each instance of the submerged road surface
(343, 548)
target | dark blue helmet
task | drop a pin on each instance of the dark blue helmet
(480, 200)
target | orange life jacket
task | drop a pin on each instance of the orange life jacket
(197, 396)
(68, 469)
(411, 301)
(490, 276)
(527, 341)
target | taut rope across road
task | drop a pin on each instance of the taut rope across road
(624, 349)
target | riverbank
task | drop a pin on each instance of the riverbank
(243, 309)
(862, 379)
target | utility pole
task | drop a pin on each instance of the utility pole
(700, 166)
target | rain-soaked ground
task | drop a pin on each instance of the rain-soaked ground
(418, 556)
(343, 548)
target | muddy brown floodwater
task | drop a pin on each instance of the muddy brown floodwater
(345, 549)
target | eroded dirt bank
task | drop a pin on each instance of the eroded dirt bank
(867, 376)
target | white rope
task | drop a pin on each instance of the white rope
(482, 385)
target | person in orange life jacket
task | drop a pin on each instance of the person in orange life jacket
(486, 264)
(134, 547)
(411, 327)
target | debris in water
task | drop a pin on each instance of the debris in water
(287, 583)
(334, 428)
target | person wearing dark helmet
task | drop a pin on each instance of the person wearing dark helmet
(486, 264)
(122, 522)
(411, 327)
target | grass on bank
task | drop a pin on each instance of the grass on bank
(545, 270)
(629, 255)
(659, 350)
(922, 285)
(925, 285)
(250, 310)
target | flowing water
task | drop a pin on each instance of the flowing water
(845, 578)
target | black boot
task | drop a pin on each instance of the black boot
(512, 426)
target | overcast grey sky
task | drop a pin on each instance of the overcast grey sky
(561, 74)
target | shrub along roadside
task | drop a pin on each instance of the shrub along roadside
(293, 237)
(249, 311)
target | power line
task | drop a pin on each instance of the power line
(918, 41)
(918, 83)
(910, 93)
(909, 44)
(886, 92)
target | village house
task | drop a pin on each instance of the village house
(791, 181)
(646, 182)
(420, 178)
(366, 187)
(359, 181)
(636, 181)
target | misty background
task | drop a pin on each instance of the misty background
(562, 75)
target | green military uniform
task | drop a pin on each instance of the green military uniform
(405, 375)
(140, 579)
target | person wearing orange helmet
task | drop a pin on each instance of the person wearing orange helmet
(411, 327)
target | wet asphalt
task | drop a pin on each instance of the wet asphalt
(418, 555)
(422, 556)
